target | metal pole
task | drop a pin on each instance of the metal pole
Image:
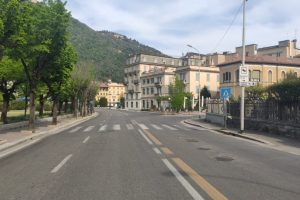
(199, 89)
(243, 63)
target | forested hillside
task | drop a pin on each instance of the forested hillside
(107, 51)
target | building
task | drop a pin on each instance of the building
(263, 70)
(209, 72)
(143, 75)
(112, 92)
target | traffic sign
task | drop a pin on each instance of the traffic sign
(225, 92)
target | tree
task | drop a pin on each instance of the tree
(11, 76)
(286, 90)
(177, 94)
(255, 93)
(42, 36)
(103, 102)
(122, 102)
(205, 92)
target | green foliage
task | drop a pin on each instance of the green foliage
(103, 102)
(17, 105)
(256, 92)
(205, 92)
(286, 90)
(107, 51)
(177, 94)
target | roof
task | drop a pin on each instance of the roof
(103, 85)
(264, 60)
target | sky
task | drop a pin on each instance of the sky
(169, 25)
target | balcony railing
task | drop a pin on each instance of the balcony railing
(136, 82)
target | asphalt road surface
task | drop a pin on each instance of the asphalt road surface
(123, 155)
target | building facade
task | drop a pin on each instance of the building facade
(141, 67)
(263, 70)
(112, 92)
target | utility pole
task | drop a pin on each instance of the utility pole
(242, 113)
(199, 86)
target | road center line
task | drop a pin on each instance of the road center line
(153, 138)
(183, 181)
(199, 180)
(86, 139)
(55, 169)
(145, 137)
(157, 151)
(166, 150)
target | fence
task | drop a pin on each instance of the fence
(270, 110)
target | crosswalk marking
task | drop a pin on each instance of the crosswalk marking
(180, 127)
(89, 128)
(156, 127)
(129, 126)
(75, 129)
(116, 127)
(102, 128)
(143, 126)
(169, 127)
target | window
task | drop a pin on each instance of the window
(226, 77)
(131, 104)
(136, 96)
(247, 53)
(143, 90)
(278, 54)
(148, 81)
(152, 80)
(143, 103)
(237, 76)
(255, 76)
(270, 77)
(197, 76)
(207, 77)
(126, 104)
(144, 81)
(152, 90)
(182, 76)
(296, 74)
(147, 90)
(283, 75)
(136, 104)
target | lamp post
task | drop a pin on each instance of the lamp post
(243, 64)
(199, 106)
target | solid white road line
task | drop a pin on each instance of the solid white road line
(133, 122)
(17, 148)
(143, 126)
(157, 151)
(75, 129)
(169, 127)
(55, 169)
(156, 127)
(183, 181)
(145, 137)
(88, 129)
(86, 139)
(102, 128)
(129, 126)
(116, 127)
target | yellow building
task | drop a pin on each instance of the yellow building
(112, 92)
(263, 70)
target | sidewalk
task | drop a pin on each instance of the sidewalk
(11, 138)
(271, 140)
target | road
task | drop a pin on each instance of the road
(141, 155)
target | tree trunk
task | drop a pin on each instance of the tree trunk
(25, 106)
(54, 111)
(60, 104)
(66, 106)
(75, 107)
(42, 103)
(84, 108)
(5, 108)
(32, 111)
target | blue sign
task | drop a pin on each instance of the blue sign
(225, 93)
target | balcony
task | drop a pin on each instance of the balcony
(126, 83)
(136, 82)
(131, 91)
(158, 83)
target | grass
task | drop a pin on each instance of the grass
(18, 115)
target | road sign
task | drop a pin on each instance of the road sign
(225, 92)
(244, 75)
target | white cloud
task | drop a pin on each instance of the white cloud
(169, 25)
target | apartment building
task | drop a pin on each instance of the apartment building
(143, 74)
(112, 92)
(263, 70)
(209, 72)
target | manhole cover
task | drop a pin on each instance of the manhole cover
(203, 148)
(224, 158)
(191, 140)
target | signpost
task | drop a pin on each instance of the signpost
(243, 76)
(225, 94)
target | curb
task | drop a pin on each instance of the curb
(45, 134)
(228, 132)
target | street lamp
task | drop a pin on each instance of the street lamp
(199, 106)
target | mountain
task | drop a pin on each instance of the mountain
(105, 50)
